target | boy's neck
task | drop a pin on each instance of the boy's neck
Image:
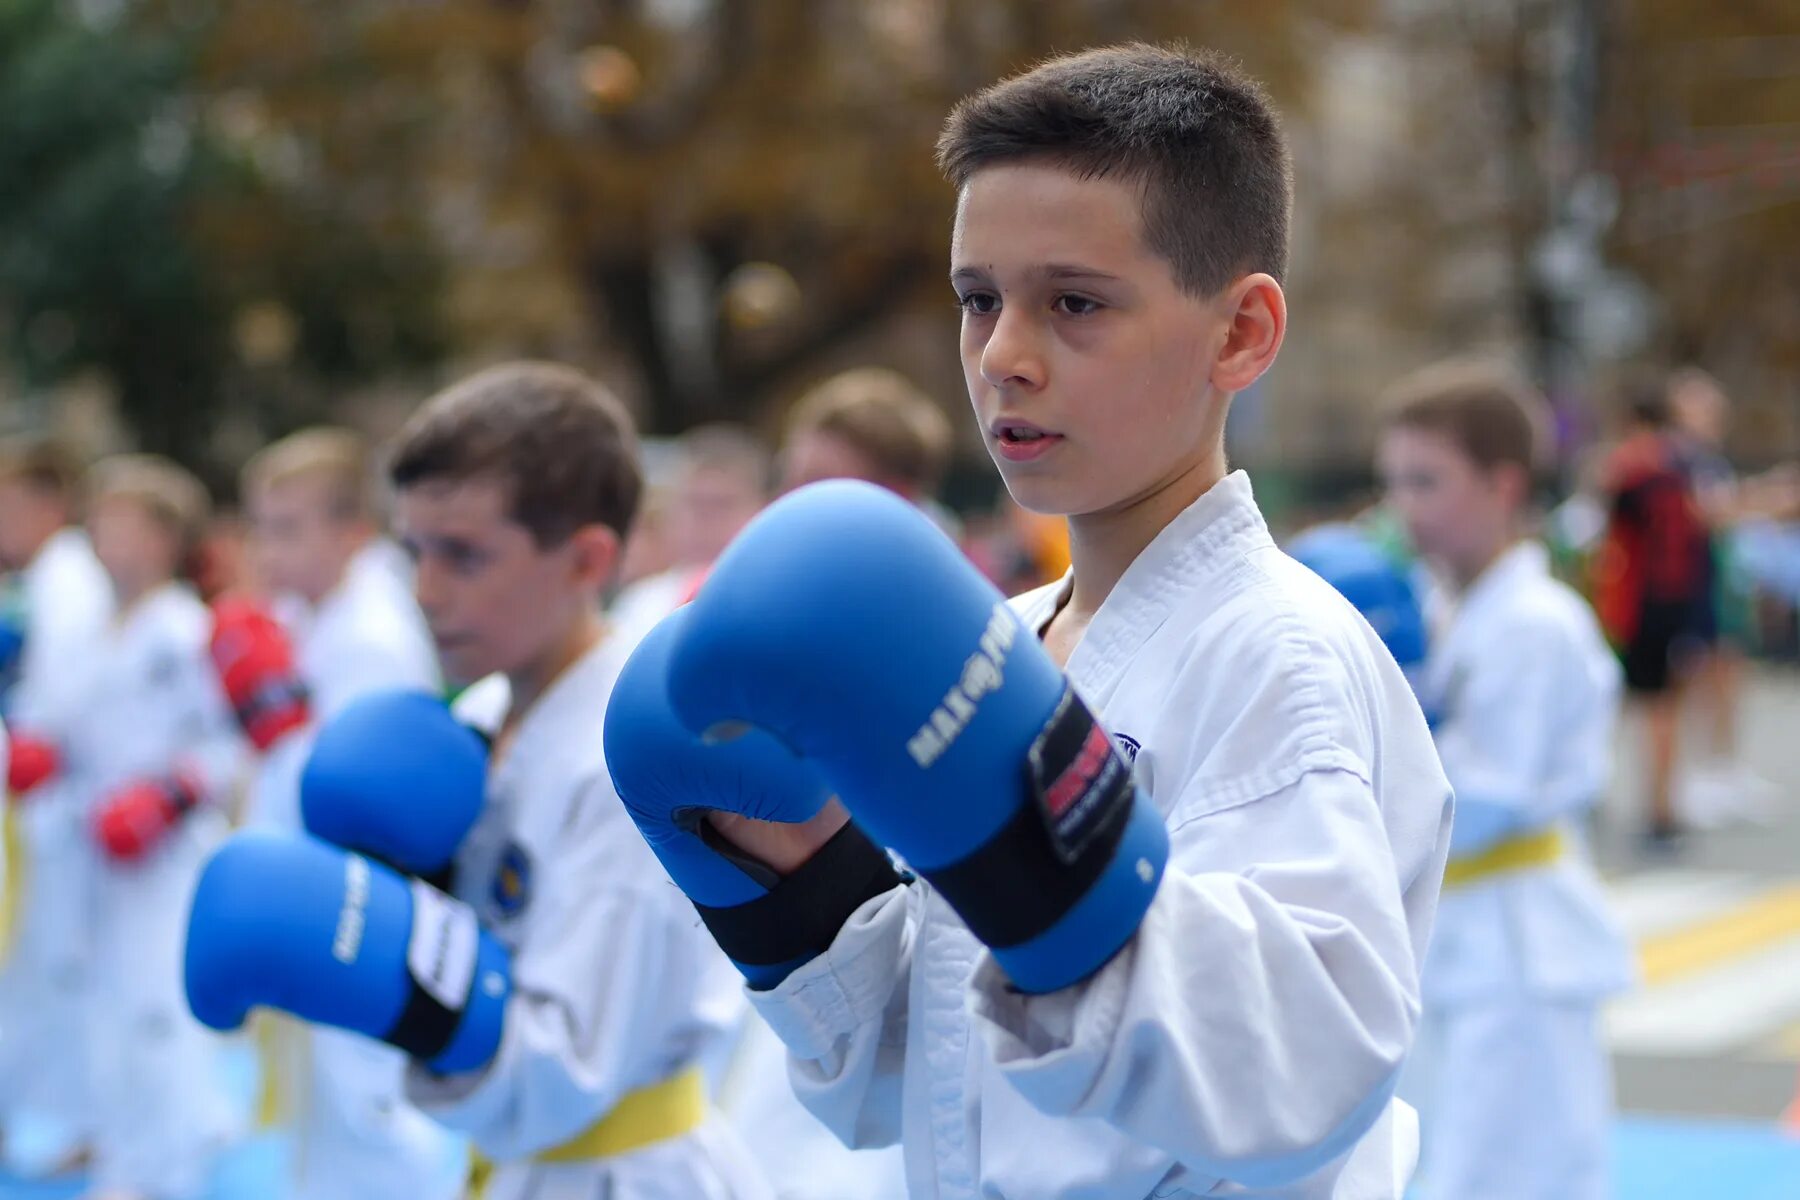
(1103, 545)
(1464, 575)
(338, 577)
(127, 594)
(529, 683)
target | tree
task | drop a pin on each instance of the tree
(710, 196)
(143, 234)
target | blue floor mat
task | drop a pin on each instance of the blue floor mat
(1659, 1158)
(1656, 1158)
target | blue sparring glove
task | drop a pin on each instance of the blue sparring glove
(842, 621)
(1378, 587)
(397, 777)
(333, 938)
(668, 777)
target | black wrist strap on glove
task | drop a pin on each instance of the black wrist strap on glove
(802, 912)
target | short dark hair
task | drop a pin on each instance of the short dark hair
(1197, 134)
(1487, 409)
(561, 444)
(888, 420)
(171, 495)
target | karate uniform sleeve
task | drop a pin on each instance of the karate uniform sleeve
(1254, 1027)
(604, 979)
(214, 751)
(1529, 740)
(368, 665)
(68, 608)
(843, 1017)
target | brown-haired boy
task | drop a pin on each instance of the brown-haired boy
(867, 423)
(314, 540)
(1512, 1079)
(515, 489)
(150, 755)
(1121, 231)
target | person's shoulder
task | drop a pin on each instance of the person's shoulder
(482, 705)
(1546, 615)
(1038, 605)
(66, 562)
(1279, 666)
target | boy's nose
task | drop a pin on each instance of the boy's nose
(1012, 356)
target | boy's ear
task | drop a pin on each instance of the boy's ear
(596, 554)
(1255, 311)
(1516, 482)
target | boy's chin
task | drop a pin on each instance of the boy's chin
(1041, 496)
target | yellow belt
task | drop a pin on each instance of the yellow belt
(12, 873)
(651, 1114)
(1506, 856)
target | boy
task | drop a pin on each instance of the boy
(314, 543)
(1120, 232)
(149, 751)
(65, 603)
(515, 489)
(721, 480)
(1514, 1090)
(872, 424)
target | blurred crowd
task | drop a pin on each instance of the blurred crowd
(1689, 566)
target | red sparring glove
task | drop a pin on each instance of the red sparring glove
(34, 761)
(256, 664)
(136, 818)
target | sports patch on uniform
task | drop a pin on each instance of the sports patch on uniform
(511, 890)
(1080, 779)
(1128, 746)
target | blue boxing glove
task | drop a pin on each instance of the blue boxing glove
(843, 622)
(1379, 588)
(397, 777)
(333, 938)
(668, 777)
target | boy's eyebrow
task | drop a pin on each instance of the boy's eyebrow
(1054, 271)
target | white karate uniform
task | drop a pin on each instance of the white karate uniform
(798, 1154)
(43, 1072)
(151, 703)
(1247, 1041)
(1512, 1081)
(637, 609)
(616, 984)
(357, 1137)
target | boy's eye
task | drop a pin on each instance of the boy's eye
(1076, 306)
(979, 304)
(464, 560)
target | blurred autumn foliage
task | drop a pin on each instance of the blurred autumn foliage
(247, 213)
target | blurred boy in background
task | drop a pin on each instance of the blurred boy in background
(150, 750)
(1511, 1077)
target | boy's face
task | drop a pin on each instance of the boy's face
(1089, 369)
(1457, 514)
(813, 455)
(27, 518)
(710, 505)
(494, 599)
(135, 549)
(297, 543)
